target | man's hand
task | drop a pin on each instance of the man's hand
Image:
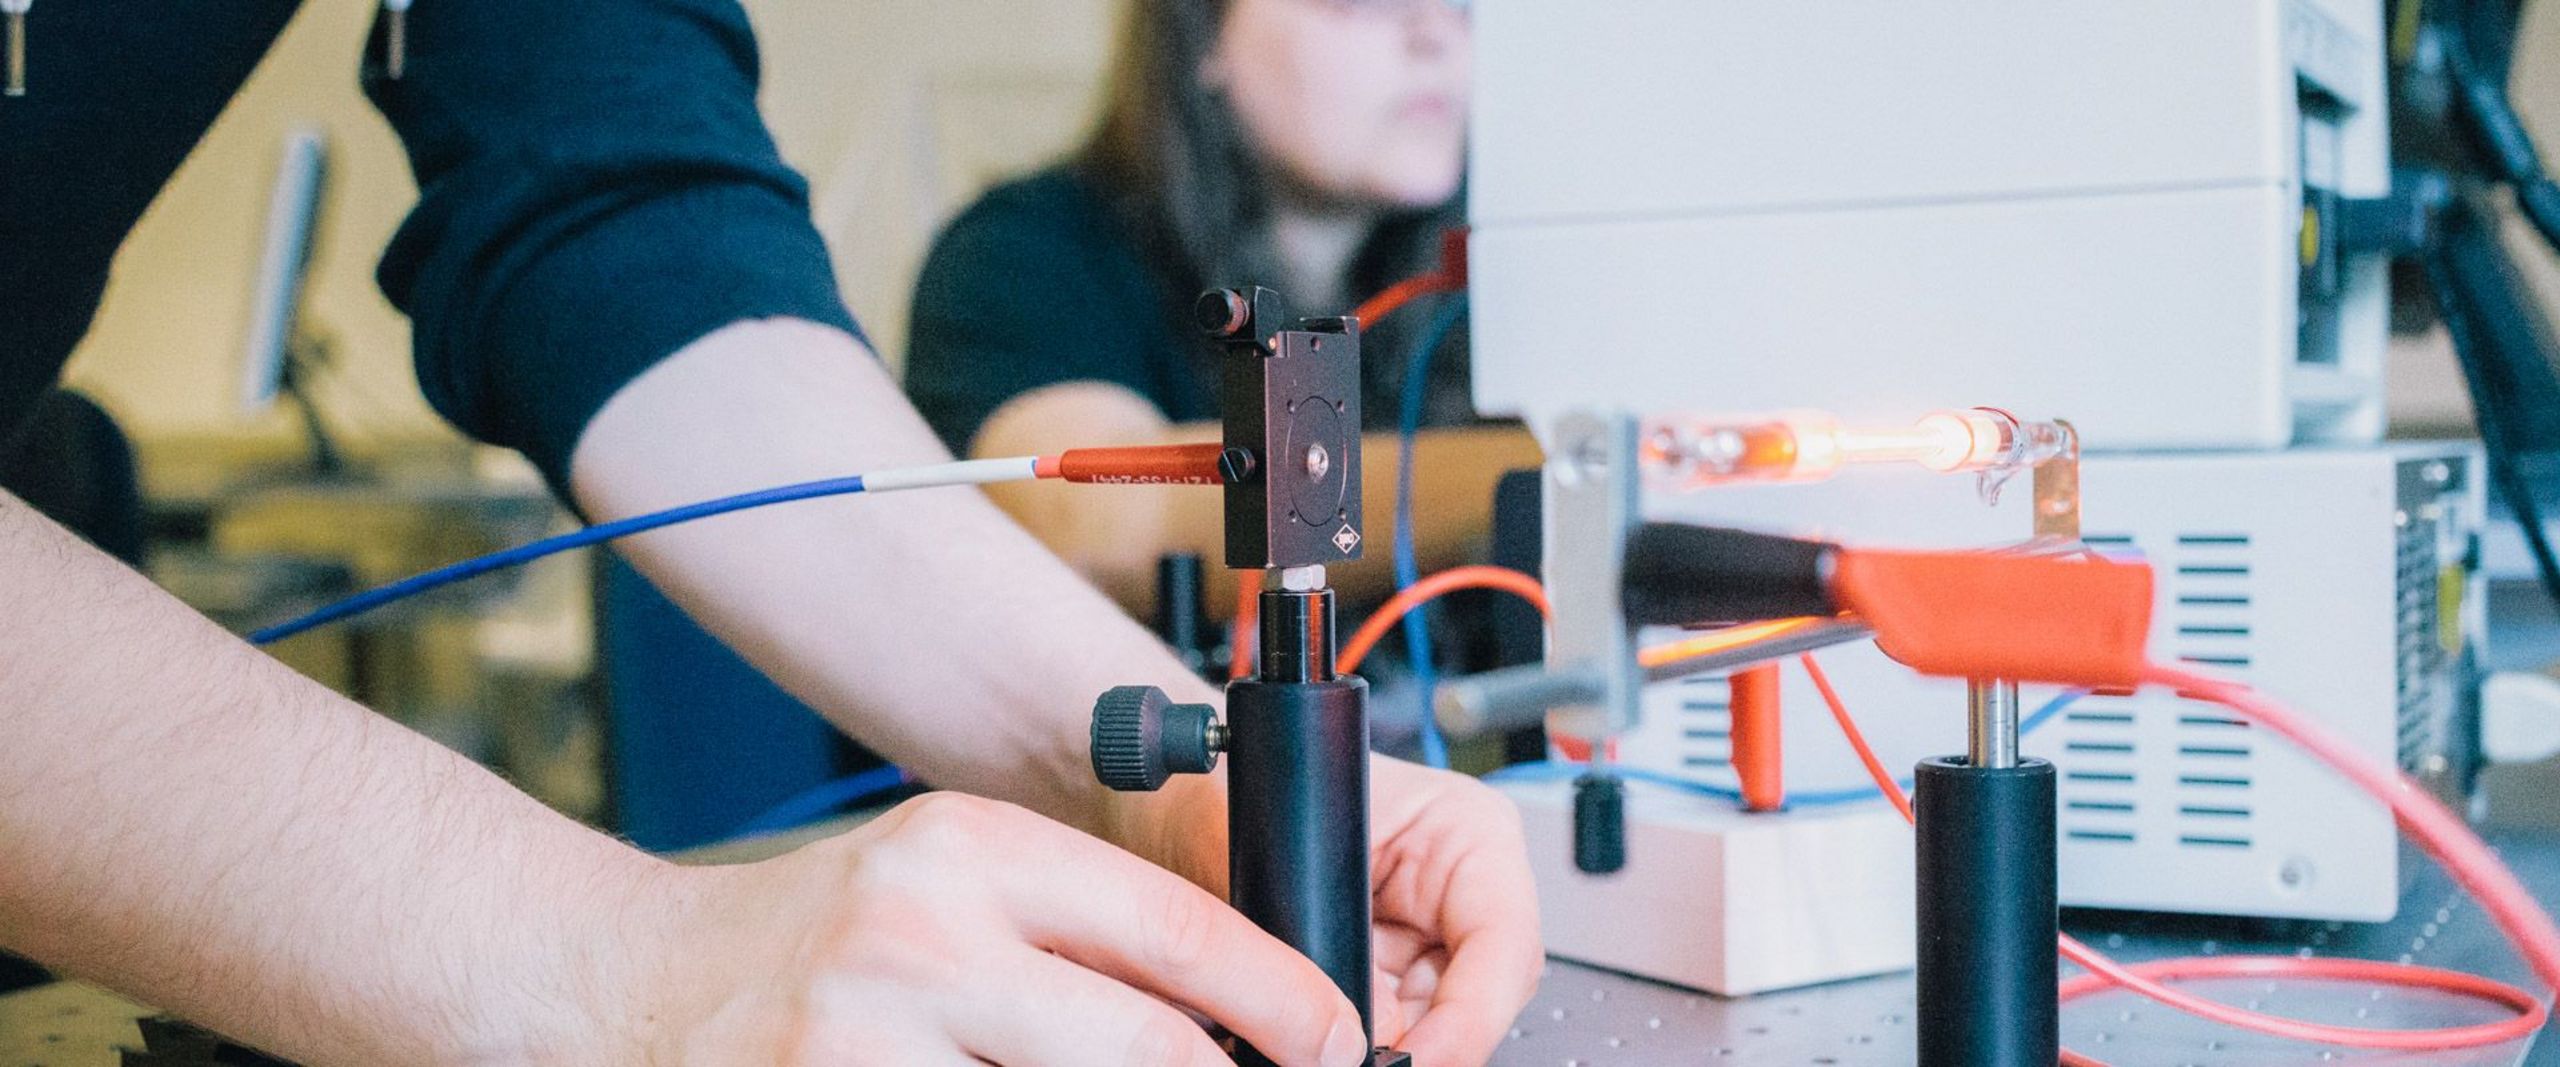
(886, 614)
(959, 930)
(1456, 912)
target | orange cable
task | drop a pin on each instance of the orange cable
(2140, 979)
(1396, 296)
(1184, 464)
(1857, 740)
(1364, 639)
(1245, 630)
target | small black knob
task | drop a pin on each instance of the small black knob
(1223, 313)
(1141, 738)
(1599, 824)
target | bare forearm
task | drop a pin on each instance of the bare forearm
(927, 625)
(187, 820)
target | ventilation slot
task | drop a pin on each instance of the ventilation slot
(2421, 656)
(2097, 753)
(2201, 841)
(1706, 723)
(2211, 625)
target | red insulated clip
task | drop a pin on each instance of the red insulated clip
(2079, 622)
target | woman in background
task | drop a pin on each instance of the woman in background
(1315, 147)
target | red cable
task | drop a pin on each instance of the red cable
(2437, 830)
(1396, 296)
(1242, 636)
(1189, 464)
(2435, 827)
(1186, 464)
(1857, 739)
(1423, 592)
(1449, 276)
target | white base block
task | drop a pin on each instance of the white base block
(1731, 903)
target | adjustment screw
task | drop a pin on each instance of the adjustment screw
(1222, 313)
(1141, 738)
(1236, 466)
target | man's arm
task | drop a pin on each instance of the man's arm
(193, 823)
(190, 822)
(1115, 539)
(926, 624)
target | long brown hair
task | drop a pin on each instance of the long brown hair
(1173, 159)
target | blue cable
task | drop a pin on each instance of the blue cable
(1551, 770)
(808, 805)
(823, 799)
(530, 551)
(1417, 628)
(2051, 708)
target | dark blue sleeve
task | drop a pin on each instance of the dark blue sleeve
(118, 93)
(596, 191)
(1034, 286)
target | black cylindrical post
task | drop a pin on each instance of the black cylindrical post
(1298, 796)
(1987, 916)
(1182, 608)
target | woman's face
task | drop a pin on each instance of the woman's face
(1356, 101)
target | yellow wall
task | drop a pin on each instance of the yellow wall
(165, 354)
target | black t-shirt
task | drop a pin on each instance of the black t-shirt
(1041, 282)
(596, 189)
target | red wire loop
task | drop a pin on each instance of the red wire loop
(2435, 828)
(1422, 592)
(2438, 831)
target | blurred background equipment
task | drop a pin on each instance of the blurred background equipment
(284, 348)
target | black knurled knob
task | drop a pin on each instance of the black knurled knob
(1222, 313)
(1599, 824)
(1141, 738)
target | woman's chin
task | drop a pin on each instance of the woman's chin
(1414, 192)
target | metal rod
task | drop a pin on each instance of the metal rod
(1517, 697)
(395, 43)
(17, 54)
(1511, 698)
(1816, 636)
(1297, 635)
(1991, 724)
